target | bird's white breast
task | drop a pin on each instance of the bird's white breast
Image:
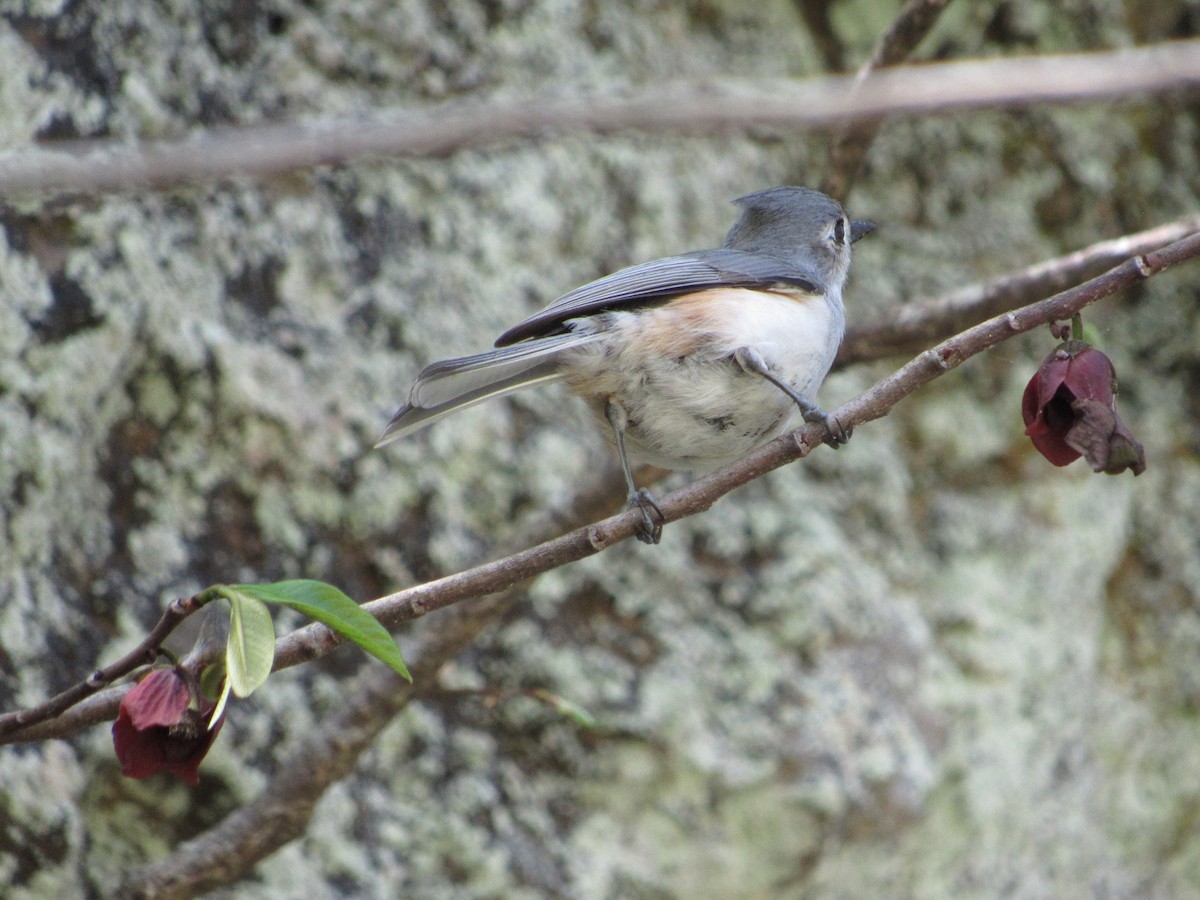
(690, 405)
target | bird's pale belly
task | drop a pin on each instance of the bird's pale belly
(689, 404)
(701, 415)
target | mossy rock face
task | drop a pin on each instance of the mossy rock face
(928, 665)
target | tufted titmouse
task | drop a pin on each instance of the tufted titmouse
(692, 360)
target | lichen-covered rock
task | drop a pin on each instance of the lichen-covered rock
(929, 665)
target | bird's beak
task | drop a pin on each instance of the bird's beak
(860, 229)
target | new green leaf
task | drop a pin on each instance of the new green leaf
(327, 604)
(251, 648)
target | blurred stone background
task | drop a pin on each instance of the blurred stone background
(930, 665)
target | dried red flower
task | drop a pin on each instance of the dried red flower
(1070, 411)
(160, 729)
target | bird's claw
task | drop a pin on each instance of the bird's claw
(649, 530)
(838, 435)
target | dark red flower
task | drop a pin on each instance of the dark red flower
(160, 729)
(1070, 410)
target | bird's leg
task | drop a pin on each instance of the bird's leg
(751, 361)
(650, 530)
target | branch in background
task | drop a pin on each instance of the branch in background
(815, 14)
(690, 106)
(951, 353)
(850, 144)
(907, 329)
(917, 326)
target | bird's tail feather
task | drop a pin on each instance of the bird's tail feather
(453, 384)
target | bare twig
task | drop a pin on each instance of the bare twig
(315, 640)
(143, 654)
(816, 16)
(690, 106)
(907, 329)
(850, 144)
(94, 710)
(102, 707)
(908, 29)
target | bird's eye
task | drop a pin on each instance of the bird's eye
(839, 231)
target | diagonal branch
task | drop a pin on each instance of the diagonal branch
(696, 107)
(315, 640)
(914, 327)
(144, 653)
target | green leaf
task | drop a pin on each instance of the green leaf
(251, 648)
(327, 604)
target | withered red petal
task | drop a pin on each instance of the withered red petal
(1050, 443)
(1091, 376)
(1029, 401)
(161, 698)
(147, 752)
(1092, 430)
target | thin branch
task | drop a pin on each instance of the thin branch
(850, 144)
(94, 710)
(143, 654)
(815, 14)
(315, 640)
(686, 106)
(908, 328)
(908, 29)
(102, 707)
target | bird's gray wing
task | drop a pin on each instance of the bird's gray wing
(528, 352)
(656, 282)
(452, 384)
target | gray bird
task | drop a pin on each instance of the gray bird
(692, 361)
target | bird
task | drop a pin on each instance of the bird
(690, 361)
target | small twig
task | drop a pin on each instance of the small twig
(849, 146)
(816, 16)
(143, 654)
(908, 328)
(687, 106)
